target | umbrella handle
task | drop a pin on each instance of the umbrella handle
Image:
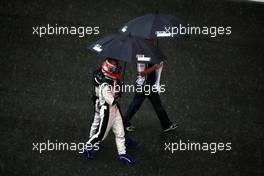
(124, 72)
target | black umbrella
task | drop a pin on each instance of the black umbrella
(127, 48)
(153, 26)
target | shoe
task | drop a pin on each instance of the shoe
(131, 143)
(172, 127)
(88, 154)
(130, 128)
(126, 159)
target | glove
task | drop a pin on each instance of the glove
(118, 94)
(120, 85)
(117, 97)
(88, 154)
(126, 159)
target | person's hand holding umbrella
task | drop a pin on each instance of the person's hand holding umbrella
(151, 69)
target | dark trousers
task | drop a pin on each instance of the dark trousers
(156, 103)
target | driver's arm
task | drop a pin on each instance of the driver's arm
(150, 69)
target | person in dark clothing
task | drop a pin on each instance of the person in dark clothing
(148, 75)
(107, 113)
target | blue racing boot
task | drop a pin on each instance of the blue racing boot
(126, 159)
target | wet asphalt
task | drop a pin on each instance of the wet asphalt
(213, 90)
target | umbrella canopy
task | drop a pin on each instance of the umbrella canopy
(152, 26)
(127, 48)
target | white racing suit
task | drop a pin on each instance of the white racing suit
(107, 116)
